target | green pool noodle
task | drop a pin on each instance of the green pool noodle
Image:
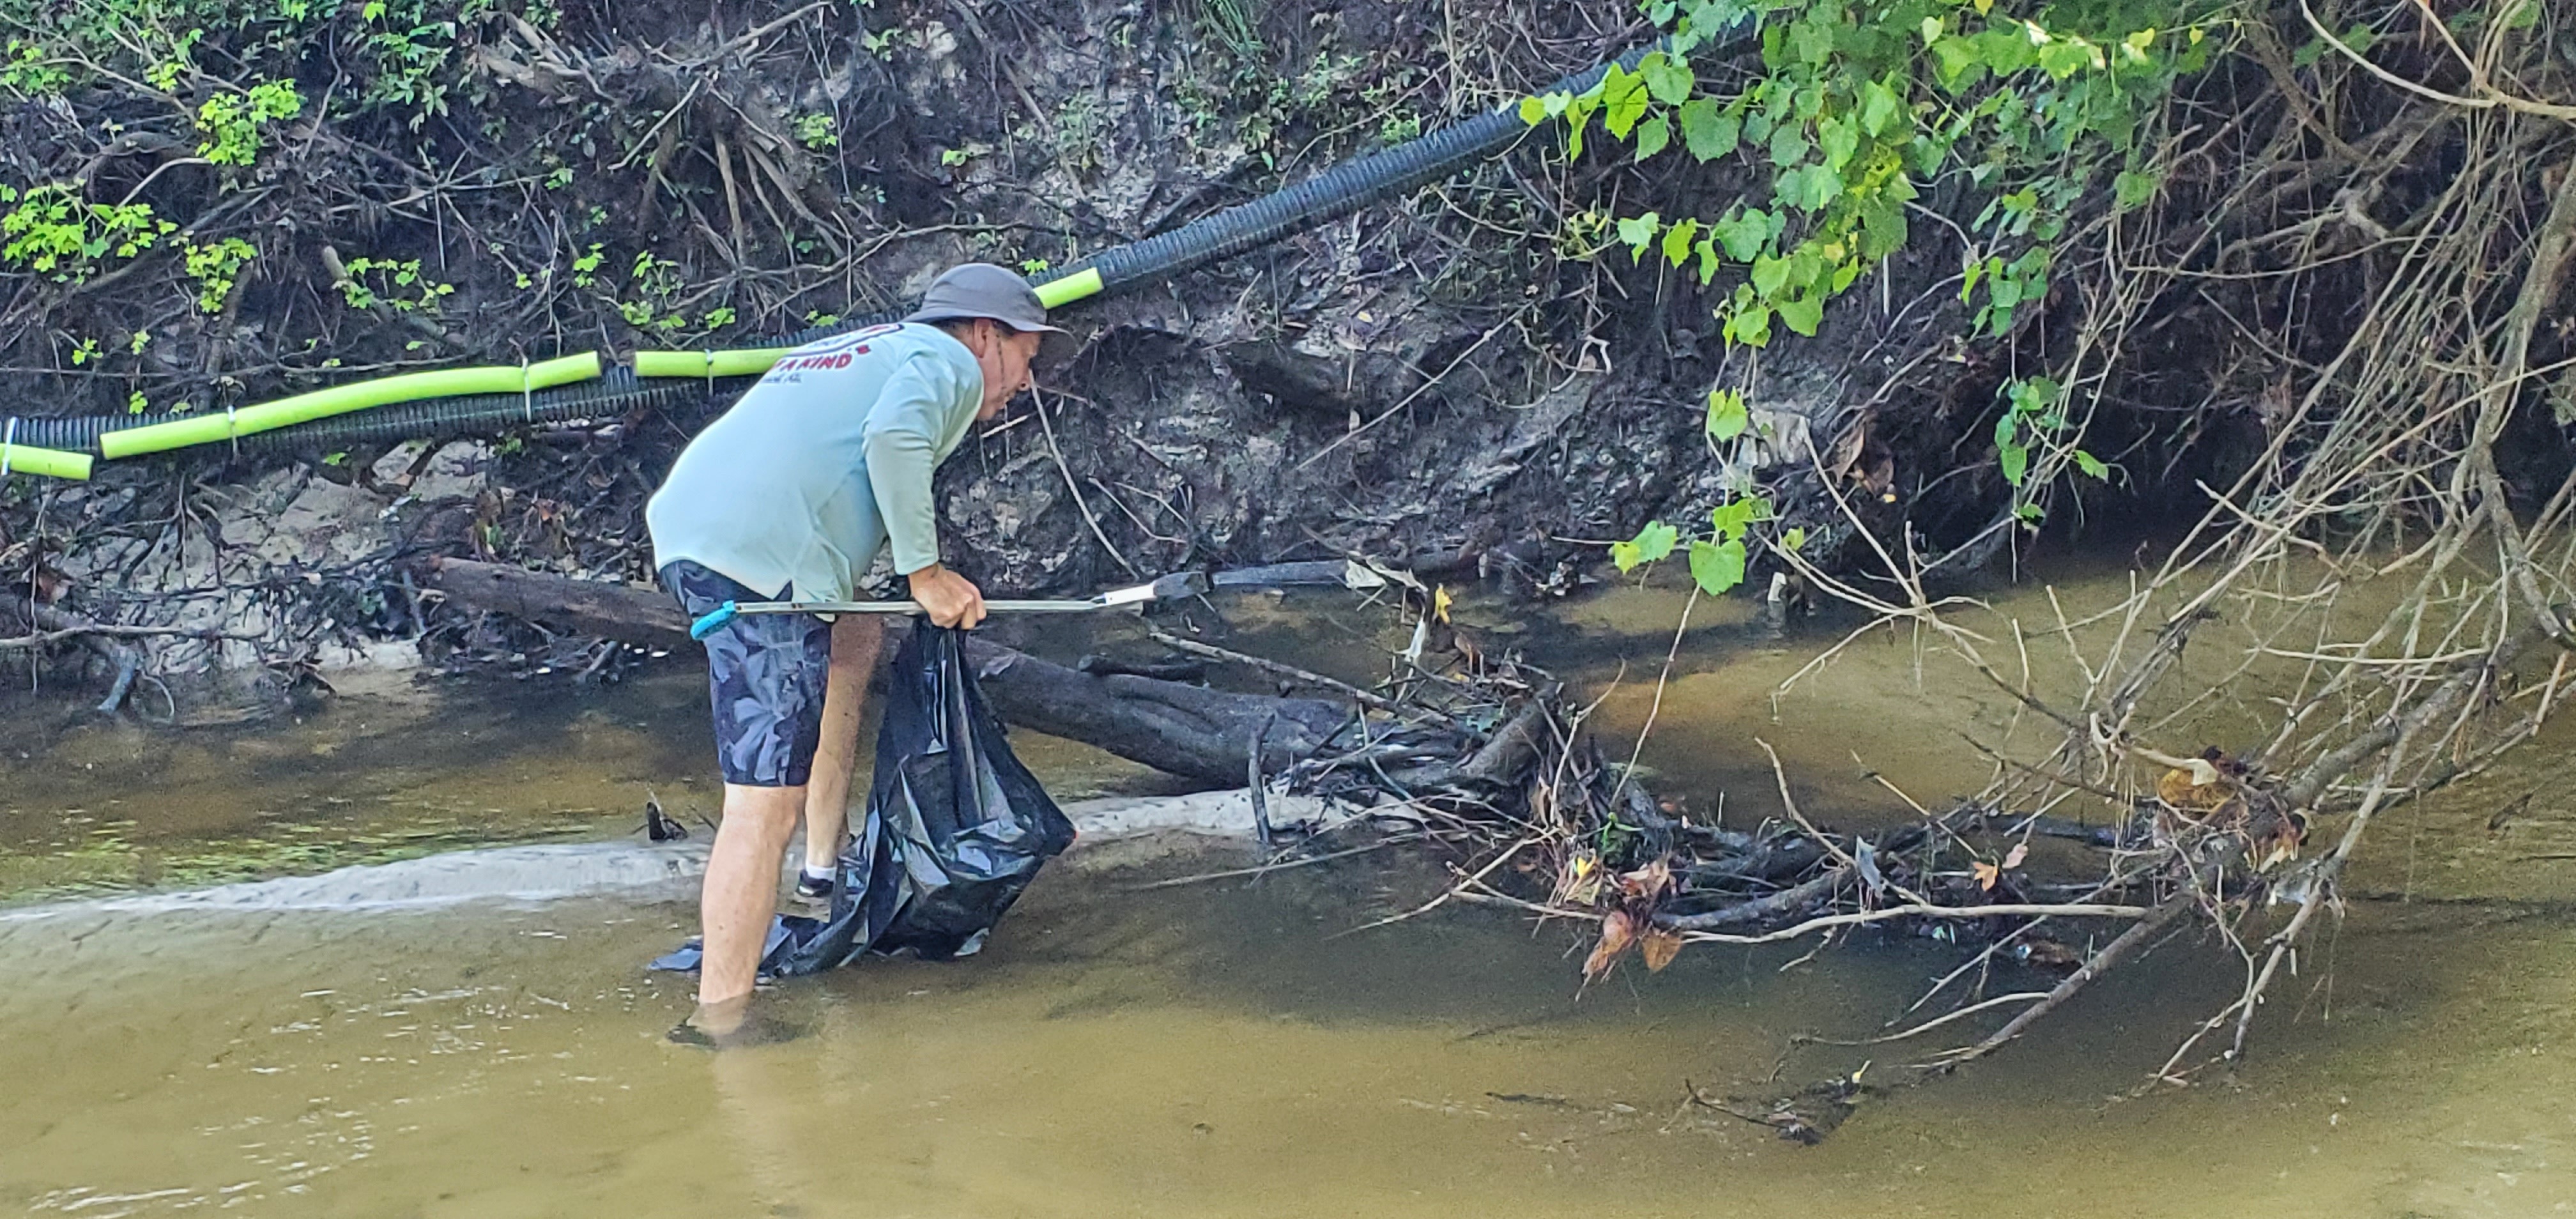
(753, 361)
(1059, 292)
(216, 427)
(748, 362)
(28, 459)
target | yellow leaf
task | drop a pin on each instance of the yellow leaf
(1440, 603)
(1987, 874)
(1584, 879)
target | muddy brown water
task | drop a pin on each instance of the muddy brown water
(1211, 1049)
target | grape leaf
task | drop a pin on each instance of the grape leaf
(1727, 414)
(1653, 542)
(1652, 136)
(1667, 79)
(1717, 566)
(1707, 129)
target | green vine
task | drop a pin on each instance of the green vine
(1856, 104)
(216, 266)
(1855, 109)
(52, 231)
(232, 121)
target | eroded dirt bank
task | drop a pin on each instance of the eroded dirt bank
(1445, 373)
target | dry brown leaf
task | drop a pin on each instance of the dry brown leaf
(1618, 931)
(1847, 447)
(2193, 788)
(1987, 874)
(2013, 857)
(1881, 479)
(1648, 882)
(1659, 945)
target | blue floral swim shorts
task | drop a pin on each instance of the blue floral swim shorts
(765, 675)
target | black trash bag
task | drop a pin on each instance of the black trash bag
(956, 828)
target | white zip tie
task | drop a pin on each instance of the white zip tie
(232, 429)
(8, 441)
(527, 394)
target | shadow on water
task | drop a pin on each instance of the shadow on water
(1218, 1048)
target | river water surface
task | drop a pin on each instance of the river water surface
(1207, 1049)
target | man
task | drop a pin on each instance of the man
(790, 496)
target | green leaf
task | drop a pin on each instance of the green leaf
(1881, 111)
(2132, 188)
(1813, 41)
(1578, 117)
(1707, 129)
(1677, 241)
(1794, 540)
(1652, 136)
(2016, 462)
(1803, 312)
(1717, 566)
(1653, 542)
(2063, 58)
(2091, 465)
(1534, 110)
(1623, 100)
(1743, 234)
(1750, 326)
(1883, 227)
(1668, 79)
(1727, 414)
(1789, 145)
(1637, 232)
(1708, 261)
(1769, 274)
(1811, 188)
(1838, 139)
(1732, 518)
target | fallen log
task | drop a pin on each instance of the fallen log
(1184, 730)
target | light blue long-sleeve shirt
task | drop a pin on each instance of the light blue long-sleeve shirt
(821, 465)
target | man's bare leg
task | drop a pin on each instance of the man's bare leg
(741, 891)
(856, 640)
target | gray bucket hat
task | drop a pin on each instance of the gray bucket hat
(980, 289)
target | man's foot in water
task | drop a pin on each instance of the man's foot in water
(732, 1025)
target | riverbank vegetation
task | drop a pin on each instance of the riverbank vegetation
(2290, 281)
(1855, 311)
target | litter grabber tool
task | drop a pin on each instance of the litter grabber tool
(1171, 587)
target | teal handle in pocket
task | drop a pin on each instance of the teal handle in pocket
(714, 621)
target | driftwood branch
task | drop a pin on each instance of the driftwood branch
(1185, 730)
(1302, 677)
